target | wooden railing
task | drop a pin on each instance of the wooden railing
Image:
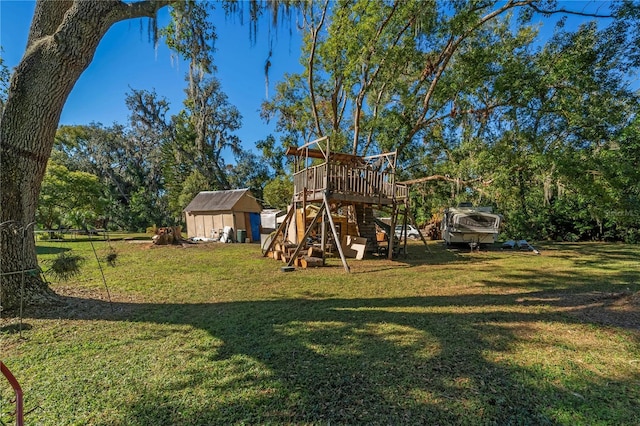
(347, 180)
(312, 178)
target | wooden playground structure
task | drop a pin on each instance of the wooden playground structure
(332, 208)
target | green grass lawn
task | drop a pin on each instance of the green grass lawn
(217, 334)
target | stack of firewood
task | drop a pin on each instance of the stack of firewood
(168, 235)
(306, 258)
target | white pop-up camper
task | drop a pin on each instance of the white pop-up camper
(467, 224)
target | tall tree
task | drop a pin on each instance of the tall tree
(380, 75)
(66, 194)
(544, 134)
(250, 172)
(213, 120)
(4, 82)
(374, 69)
(149, 131)
(127, 159)
(62, 41)
(190, 150)
(203, 135)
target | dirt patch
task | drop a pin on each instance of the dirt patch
(84, 304)
(634, 299)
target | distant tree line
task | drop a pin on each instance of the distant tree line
(134, 175)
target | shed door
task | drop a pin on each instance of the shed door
(254, 219)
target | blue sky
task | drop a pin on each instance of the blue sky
(127, 59)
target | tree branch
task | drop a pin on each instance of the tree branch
(447, 179)
(139, 9)
(448, 52)
(315, 32)
(570, 12)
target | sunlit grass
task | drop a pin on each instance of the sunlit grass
(217, 334)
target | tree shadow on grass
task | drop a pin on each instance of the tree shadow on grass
(321, 359)
(418, 255)
(601, 255)
(41, 250)
(411, 360)
(15, 328)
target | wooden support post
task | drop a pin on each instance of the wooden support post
(335, 233)
(404, 230)
(323, 236)
(304, 207)
(392, 232)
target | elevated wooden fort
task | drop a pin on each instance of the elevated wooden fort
(335, 180)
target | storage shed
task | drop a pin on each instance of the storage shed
(210, 211)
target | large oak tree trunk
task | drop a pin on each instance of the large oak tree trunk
(62, 40)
